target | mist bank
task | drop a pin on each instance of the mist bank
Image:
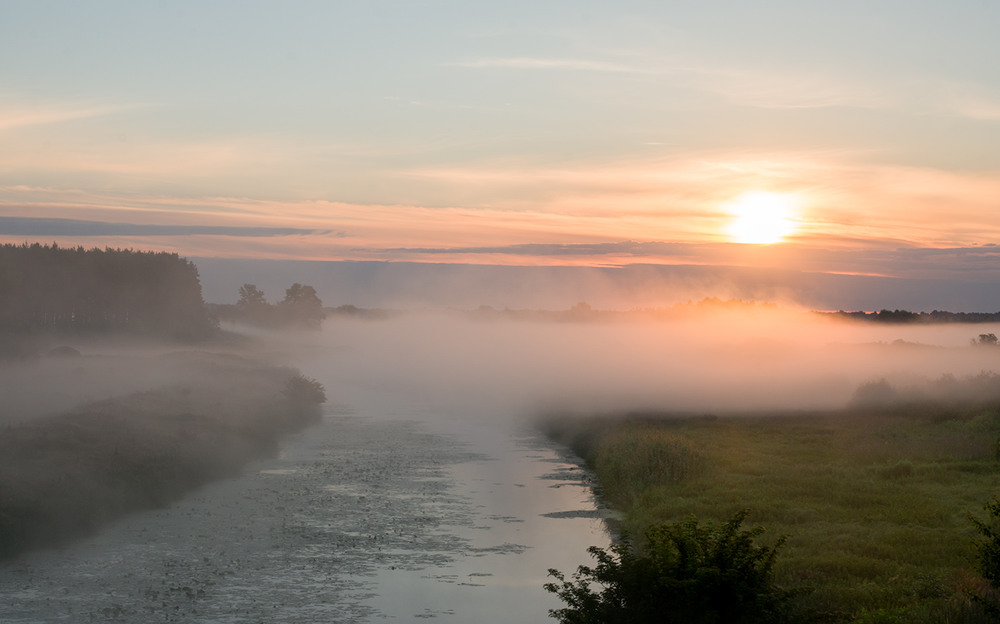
(410, 285)
(741, 360)
(64, 475)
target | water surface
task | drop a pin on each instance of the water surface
(365, 517)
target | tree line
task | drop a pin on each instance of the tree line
(50, 288)
(906, 316)
(301, 307)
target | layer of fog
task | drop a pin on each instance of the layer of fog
(82, 371)
(730, 361)
(738, 360)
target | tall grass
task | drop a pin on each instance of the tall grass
(632, 460)
(875, 502)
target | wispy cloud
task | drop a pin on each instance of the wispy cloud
(548, 64)
(744, 86)
(605, 211)
(14, 115)
(33, 226)
(627, 248)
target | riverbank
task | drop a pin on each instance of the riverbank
(64, 475)
(875, 502)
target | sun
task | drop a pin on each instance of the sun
(761, 218)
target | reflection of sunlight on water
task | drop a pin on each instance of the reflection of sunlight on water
(533, 511)
(359, 519)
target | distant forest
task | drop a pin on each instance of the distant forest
(905, 316)
(48, 288)
(584, 312)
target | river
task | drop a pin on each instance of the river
(367, 516)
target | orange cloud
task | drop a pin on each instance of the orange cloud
(845, 204)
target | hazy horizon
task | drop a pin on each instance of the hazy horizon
(406, 285)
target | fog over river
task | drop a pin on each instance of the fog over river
(391, 508)
(425, 493)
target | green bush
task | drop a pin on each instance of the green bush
(988, 557)
(688, 572)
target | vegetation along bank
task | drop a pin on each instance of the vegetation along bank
(870, 514)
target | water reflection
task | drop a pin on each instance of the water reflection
(361, 519)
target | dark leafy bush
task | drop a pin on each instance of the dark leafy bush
(688, 572)
(303, 391)
(988, 557)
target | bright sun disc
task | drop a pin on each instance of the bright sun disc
(760, 218)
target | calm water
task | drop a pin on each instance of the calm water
(366, 517)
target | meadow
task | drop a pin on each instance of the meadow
(875, 500)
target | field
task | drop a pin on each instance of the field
(875, 502)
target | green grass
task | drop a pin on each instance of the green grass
(874, 503)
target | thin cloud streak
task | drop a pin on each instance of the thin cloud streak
(548, 64)
(665, 210)
(752, 87)
(29, 226)
(672, 199)
(13, 117)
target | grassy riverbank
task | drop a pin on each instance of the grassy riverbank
(64, 475)
(875, 502)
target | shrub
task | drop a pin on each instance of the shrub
(988, 558)
(874, 394)
(688, 572)
(303, 391)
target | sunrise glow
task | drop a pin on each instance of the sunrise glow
(761, 218)
(339, 133)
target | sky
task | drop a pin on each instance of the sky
(863, 138)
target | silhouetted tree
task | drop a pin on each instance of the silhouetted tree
(253, 308)
(301, 306)
(987, 339)
(251, 297)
